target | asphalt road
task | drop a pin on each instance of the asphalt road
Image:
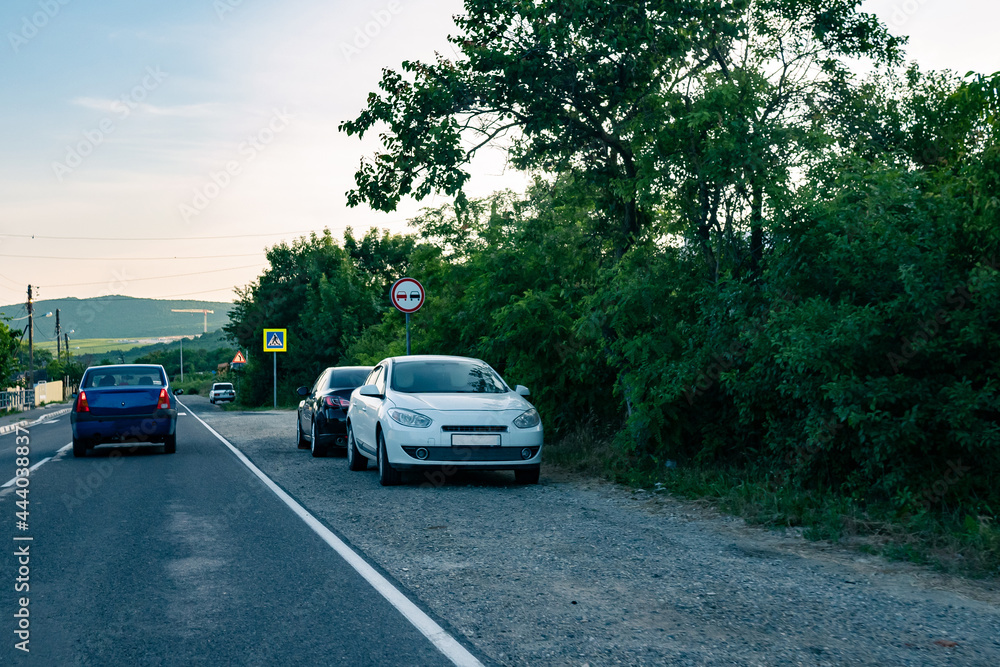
(142, 558)
(192, 558)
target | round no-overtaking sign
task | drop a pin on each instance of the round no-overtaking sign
(407, 295)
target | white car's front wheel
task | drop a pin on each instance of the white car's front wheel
(387, 475)
(527, 475)
(355, 461)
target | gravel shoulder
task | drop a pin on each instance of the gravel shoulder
(576, 571)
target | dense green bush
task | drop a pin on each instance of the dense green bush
(753, 269)
(865, 359)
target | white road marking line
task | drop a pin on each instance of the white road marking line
(35, 467)
(10, 428)
(31, 469)
(444, 642)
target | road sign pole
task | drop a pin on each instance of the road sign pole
(275, 340)
(407, 295)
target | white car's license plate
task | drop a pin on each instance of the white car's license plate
(475, 439)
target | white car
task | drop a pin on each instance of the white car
(428, 411)
(221, 392)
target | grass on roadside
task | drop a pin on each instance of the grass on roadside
(240, 407)
(956, 541)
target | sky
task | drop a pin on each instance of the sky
(155, 149)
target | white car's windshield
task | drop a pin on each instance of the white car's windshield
(445, 376)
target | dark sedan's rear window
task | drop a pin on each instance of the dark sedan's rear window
(123, 376)
(347, 378)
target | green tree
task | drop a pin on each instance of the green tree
(9, 365)
(864, 360)
(508, 282)
(699, 106)
(323, 294)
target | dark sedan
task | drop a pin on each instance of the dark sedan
(124, 403)
(322, 419)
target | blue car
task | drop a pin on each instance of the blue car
(124, 403)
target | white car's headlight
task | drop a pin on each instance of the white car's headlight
(409, 418)
(528, 420)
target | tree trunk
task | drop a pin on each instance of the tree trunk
(757, 231)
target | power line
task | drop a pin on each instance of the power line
(17, 285)
(186, 238)
(131, 259)
(20, 309)
(122, 297)
(172, 296)
(176, 275)
(172, 238)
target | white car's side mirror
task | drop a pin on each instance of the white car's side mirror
(370, 390)
(522, 390)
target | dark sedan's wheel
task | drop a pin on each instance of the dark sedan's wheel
(79, 448)
(387, 475)
(527, 476)
(355, 461)
(300, 440)
(170, 444)
(318, 449)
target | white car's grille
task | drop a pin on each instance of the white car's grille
(474, 429)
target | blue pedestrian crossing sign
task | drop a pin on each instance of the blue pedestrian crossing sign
(275, 340)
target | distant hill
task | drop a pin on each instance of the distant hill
(120, 317)
(213, 340)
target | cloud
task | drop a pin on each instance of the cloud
(178, 111)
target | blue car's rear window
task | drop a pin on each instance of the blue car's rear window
(123, 376)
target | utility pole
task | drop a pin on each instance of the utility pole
(66, 340)
(182, 359)
(58, 351)
(31, 342)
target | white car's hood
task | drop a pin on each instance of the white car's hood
(461, 402)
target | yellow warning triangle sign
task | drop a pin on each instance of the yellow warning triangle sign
(239, 358)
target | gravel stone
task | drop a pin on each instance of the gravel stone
(575, 571)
